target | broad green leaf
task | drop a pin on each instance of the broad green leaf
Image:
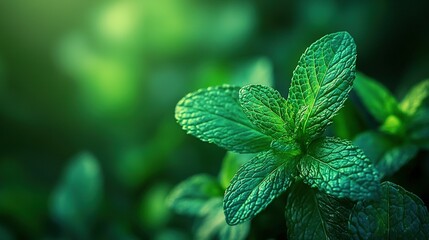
(192, 194)
(230, 165)
(256, 184)
(321, 82)
(377, 99)
(387, 153)
(76, 198)
(398, 214)
(213, 225)
(414, 99)
(311, 214)
(340, 169)
(266, 109)
(214, 115)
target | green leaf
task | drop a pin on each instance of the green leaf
(213, 224)
(377, 99)
(266, 109)
(340, 169)
(387, 154)
(76, 198)
(191, 195)
(214, 115)
(321, 82)
(230, 165)
(414, 99)
(393, 125)
(418, 128)
(311, 214)
(256, 184)
(398, 214)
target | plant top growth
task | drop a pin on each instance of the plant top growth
(334, 190)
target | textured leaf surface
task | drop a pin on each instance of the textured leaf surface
(214, 115)
(266, 109)
(213, 225)
(377, 99)
(387, 154)
(340, 169)
(230, 165)
(190, 196)
(415, 98)
(398, 214)
(321, 82)
(311, 214)
(255, 185)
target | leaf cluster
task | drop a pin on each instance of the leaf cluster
(404, 125)
(323, 175)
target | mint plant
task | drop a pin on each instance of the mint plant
(286, 134)
(404, 124)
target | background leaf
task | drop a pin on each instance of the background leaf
(76, 199)
(258, 71)
(386, 152)
(378, 100)
(255, 185)
(398, 214)
(230, 165)
(340, 169)
(214, 115)
(311, 214)
(415, 98)
(321, 82)
(418, 128)
(190, 196)
(213, 224)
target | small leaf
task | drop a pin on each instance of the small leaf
(213, 224)
(311, 214)
(398, 214)
(387, 154)
(230, 165)
(255, 185)
(191, 195)
(414, 99)
(76, 199)
(418, 128)
(340, 169)
(266, 109)
(393, 125)
(321, 82)
(214, 115)
(377, 99)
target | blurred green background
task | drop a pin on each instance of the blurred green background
(89, 143)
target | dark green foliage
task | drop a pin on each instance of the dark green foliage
(201, 196)
(404, 125)
(310, 214)
(76, 199)
(397, 214)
